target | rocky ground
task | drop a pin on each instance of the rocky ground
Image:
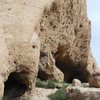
(38, 94)
(41, 93)
(83, 92)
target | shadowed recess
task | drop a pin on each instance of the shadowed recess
(14, 87)
(71, 72)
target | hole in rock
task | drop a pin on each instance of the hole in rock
(14, 87)
(72, 72)
(42, 75)
(70, 69)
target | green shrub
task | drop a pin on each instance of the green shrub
(59, 95)
(65, 85)
(39, 83)
(51, 84)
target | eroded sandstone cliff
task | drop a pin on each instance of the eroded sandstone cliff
(64, 32)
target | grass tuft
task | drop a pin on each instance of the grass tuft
(59, 95)
(51, 84)
(39, 83)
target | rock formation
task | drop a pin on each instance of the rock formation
(81, 93)
(20, 46)
(48, 69)
(62, 28)
(65, 32)
(76, 82)
(94, 80)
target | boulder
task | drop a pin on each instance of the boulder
(65, 31)
(94, 80)
(76, 82)
(81, 93)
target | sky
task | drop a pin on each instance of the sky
(93, 9)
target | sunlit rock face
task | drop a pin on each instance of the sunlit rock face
(65, 32)
(81, 93)
(19, 44)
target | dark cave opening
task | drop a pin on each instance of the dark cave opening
(72, 72)
(42, 75)
(14, 87)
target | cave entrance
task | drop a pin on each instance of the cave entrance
(72, 72)
(14, 87)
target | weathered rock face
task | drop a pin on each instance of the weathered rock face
(80, 93)
(94, 80)
(64, 31)
(20, 46)
(48, 70)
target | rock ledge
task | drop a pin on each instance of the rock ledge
(82, 93)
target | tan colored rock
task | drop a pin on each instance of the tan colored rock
(65, 32)
(38, 94)
(20, 46)
(1, 88)
(49, 68)
(81, 93)
(76, 82)
(92, 66)
(94, 80)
